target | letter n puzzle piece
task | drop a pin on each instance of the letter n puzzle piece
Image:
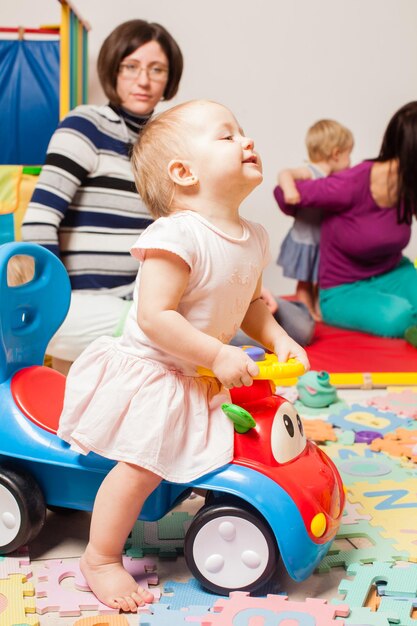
(18, 603)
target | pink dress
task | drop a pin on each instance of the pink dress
(127, 400)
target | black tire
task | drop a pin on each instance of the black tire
(22, 508)
(204, 536)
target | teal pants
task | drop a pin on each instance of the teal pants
(384, 305)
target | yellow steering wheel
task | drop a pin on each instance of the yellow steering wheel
(269, 368)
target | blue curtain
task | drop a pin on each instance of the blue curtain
(29, 100)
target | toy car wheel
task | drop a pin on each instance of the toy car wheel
(229, 547)
(22, 508)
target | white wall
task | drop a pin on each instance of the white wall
(279, 65)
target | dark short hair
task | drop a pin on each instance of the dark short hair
(400, 142)
(124, 40)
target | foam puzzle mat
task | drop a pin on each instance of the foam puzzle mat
(368, 577)
(356, 359)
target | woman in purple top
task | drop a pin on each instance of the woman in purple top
(365, 281)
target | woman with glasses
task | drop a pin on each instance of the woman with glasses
(85, 207)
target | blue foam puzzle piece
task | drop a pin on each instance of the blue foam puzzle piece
(186, 594)
(342, 419)
(163, 615)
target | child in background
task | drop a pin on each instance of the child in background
(139, 399)
(329, 146)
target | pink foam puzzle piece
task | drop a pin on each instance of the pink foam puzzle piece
(403, 403)
(245, 609)
(97, 620)
(142, 570)
(16, 563)
(52, 596)
(351, 515)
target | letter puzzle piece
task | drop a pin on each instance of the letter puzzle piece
(381, 549)
(358, 463)
(241, 609)
(351, 515)
(402, 443)
(362, 616)
(359, 417)
(163, 615)
(52, 596)
(186, 594)
(101, 620)
(319, 430)
(403, 609)
(393, 508)
(165, 537)
(400, 581)
(16, 563)
(402, 403)
(19, 602)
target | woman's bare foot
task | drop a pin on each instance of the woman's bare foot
(112, 584)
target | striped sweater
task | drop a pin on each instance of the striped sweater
(85, 207)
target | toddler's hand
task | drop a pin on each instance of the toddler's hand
(286, 348)
(234, 368)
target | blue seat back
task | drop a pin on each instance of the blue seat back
(31, 313)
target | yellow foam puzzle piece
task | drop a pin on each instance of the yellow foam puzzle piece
(19, 601)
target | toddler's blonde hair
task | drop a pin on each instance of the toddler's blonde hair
(20, 270)
(164, 138)
(324, 136)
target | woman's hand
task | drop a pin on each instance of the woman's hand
(233, 368)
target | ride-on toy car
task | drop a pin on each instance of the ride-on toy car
(281, 495)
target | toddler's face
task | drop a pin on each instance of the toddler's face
(220, 151)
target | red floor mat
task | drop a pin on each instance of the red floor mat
(376, 360)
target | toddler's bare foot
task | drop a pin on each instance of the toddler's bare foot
(112, 584)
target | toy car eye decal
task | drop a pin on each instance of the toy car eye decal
(300, 425)
(287, 434)
(288, 424)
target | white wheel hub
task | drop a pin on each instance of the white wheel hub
(10, 518)
(230, 551)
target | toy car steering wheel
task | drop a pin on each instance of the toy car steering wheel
(269, 366)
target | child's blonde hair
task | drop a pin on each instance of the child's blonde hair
(164, 138)
(324, 136)
(20, 270)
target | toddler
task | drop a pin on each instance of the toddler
(329, 146)
(139, 399)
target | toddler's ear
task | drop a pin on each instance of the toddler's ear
(181, 174)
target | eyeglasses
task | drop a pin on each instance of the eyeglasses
(132, 70)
